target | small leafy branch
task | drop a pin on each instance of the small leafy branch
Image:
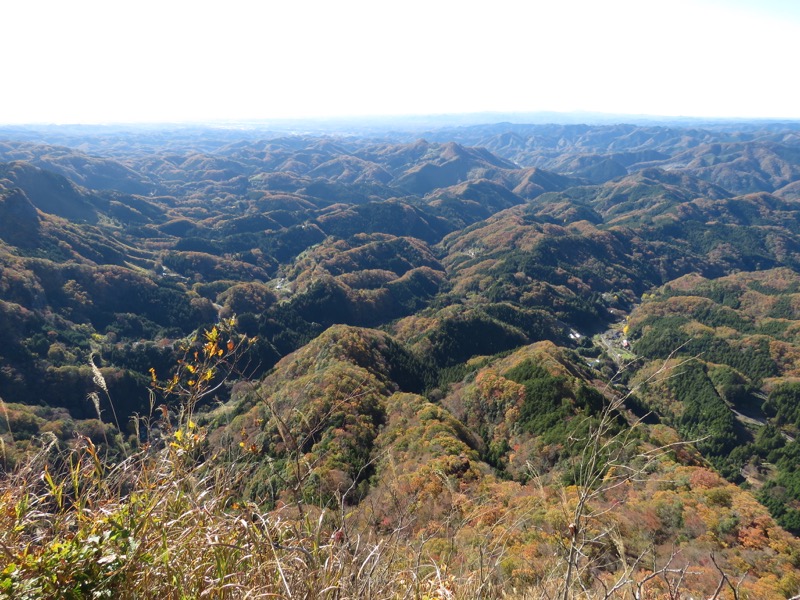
(209, 360)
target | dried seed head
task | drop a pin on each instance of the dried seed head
(97, 376)
(95, 398)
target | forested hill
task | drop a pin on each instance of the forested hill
(430, 322)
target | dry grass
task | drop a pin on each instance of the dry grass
(164, 525)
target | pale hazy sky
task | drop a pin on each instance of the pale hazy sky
(95, 61)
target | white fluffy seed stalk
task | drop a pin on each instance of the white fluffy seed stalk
(94, 397)
(97, 376)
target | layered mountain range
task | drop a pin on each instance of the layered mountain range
(452, 305)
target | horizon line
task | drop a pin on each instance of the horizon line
(556, 118)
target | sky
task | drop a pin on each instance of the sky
(134, 61)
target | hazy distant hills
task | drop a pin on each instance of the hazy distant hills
(744, 160)
(93, 172)
(740, 167)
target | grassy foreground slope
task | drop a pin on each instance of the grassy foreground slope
(330, 479)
